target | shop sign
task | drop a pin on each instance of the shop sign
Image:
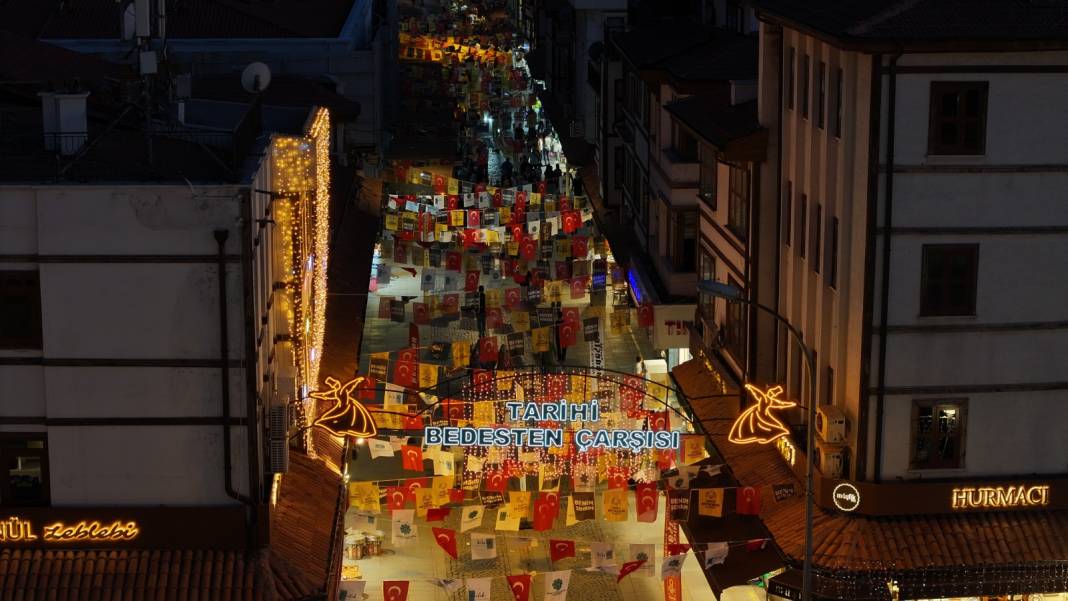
(672, 326)
(1000, 497)
(584, 439)
(846, 497)
(19, 530)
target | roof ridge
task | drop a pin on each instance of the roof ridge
(894, 10)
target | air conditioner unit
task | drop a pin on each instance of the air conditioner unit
(278, 420)
(830, 460)
(831, 424)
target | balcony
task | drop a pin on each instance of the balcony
(680, 171)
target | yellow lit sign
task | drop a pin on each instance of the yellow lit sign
(1000, 497)
(18, 530)
(787, 449)
(348, 417)
(757, 423)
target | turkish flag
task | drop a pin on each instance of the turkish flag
(406, 235)
(572, 315)
(628, 567)
(578, 287)
(400, 253)
(565, 203)
(453, 260)
(555, 386)
(482, 380)
(568, 334)
(617, 477)
(471, 281)
(664, 459)
(413, 422)
(748, 500)
(452, 202)
(494, 481)
(544, 514)
(645, 315)
(552, 497)
(646, 501)
(367, 387)
(520, 199)
(421, 313)
(559, 549)
(659, 421)
(456, 495)
(756, 544)
(498, 198)
(474, 219)
(580, 247)
(571, 221)
(541, 187)
(413, 485)
(508, 267)
(517, 231)
(675, 549)
(395, 497)
(452, 304)
(406, 373)
(439, 183)
(413, 458)
(519, 215)
(408, 354)
(470, 237)
(528, 249)
(520, 586)
(445, 538)
(437, 514)
(395, 590)
(511, 297)
(493, 318)
(452, 409)
(480, 188)
(562, 270)
(487, 349)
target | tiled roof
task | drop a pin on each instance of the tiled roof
(724, 57)
(100, 19)
(917, 20)
(718, 125)
(650, 43)
(303, 526)
(134, 575)
(858, 542)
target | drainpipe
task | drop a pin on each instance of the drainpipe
(884, 292)
(224, 360)
(257, 533)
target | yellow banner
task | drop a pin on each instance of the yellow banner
(615, 505)
(512, 248)
(461, 354)
(363, 496)
(520, 321)
(456, 218)
(693, 449)
(484, 413)
(710, 502)
(507, 519)
(391, 222)
(540, 339)
(453, 186)
(428, 375)
(493, 298)
(439, 488)
(520, 502)
(505, 215)
(424, 499)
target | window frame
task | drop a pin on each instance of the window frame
(961, 405)
(821, 94)
(735, 326)
(679, 239)
(738, 200)
(927, 309)
(832, 253)
(839, 87)
(8, 453)
(802, 225)
(24, 284)
(788, 213)
(817, 236)
(707, 170)
(806, 64)
(791, 78)
(938, 91)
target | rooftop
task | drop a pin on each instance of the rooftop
(726, 56)
(928, 20)
(717, 125)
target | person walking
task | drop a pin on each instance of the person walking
(482, 311)
(639, 366)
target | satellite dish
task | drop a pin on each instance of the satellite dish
(256, 77)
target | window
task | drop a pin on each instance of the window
(619, 166)
(802, 224)
(832, 253)
(735, 326)
(787, 211)
(948, 279)
(735, 17)
(20, 310)
(684, 241)
(821, 93)
(706, 270)
(958, 118)
(24, 459)
(684, 145)
(938, 434)
(738, 201)
(828, 386)
(707, 189)
(804, 86)
(838, 100)
(791, 76)
(817, 236)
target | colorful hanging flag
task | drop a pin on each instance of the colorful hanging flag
(756, 544)
(693, 449)
(471, 517)
(494, 481)
(487, 349)
(424, 500)
(544, 514)
(556, 584)
(483, 546)
(412, 457)
(568, 334)
(715, 554)
(446, 539)
(584, 505)
(507, 519)
(520, 502)
(645, 315)
(747, 500)
(520, 586)
(414, 484)
(428, 375)
(646, 501)
(404, 531)
(395, 497)
(395, 590)
(646, 553)
(628, 567)
(710, 502)
(379, 448)
(601, 555)
(672, 566)
(478, 589)
(406, 374)
(615, 505)
(561, 549)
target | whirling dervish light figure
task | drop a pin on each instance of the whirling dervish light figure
(757, 423)
(348, 417)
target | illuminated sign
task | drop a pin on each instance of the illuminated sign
(1000, 497)
(846, 497)
(348, 417)
(17, 530)
(787, 450)
(757, 423)
(584, 439)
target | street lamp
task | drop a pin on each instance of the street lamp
(732, 293)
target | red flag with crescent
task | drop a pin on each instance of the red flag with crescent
(541, 187)
(413, 422)
(452, 304)
(412, 457)
(452, 202)
(572, 315)
(580, 247)
(628, 567)
(555, 386)
(528, 249)
(444, 537)
(414, 484)
(408, 354)
(571, 221)
(367, 387)
(421, 313)
(544, 514)
(748, 501)
(646, 501)
(395, 590)
(439, 183)
(495, 481)
(552, 497)
(493, 318)
(519, 215)
(517, 231)
(474, 218)
(471, 281)
(560, 549)
(498, 198)
(521, 199)
(456, 495)
(659, 421)
(562, 270)
(645, 315)
(395, 497)
(453, 260)
(437, 514)
(578, 287)
(480, 188)
(617, 477)
(487, 349)
(452, 409)
(482, 380)
(511, 297)
(568, 335)
(520, 586)
(406, 373)
(565, 203)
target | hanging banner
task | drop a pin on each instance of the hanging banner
(615, 505)
(672, 581)
(672, 325)
(584, 505)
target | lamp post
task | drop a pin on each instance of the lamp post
(732, 293)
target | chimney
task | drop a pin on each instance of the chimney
(65, 123)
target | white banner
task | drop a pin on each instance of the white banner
(671, 325)
(556, 585)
